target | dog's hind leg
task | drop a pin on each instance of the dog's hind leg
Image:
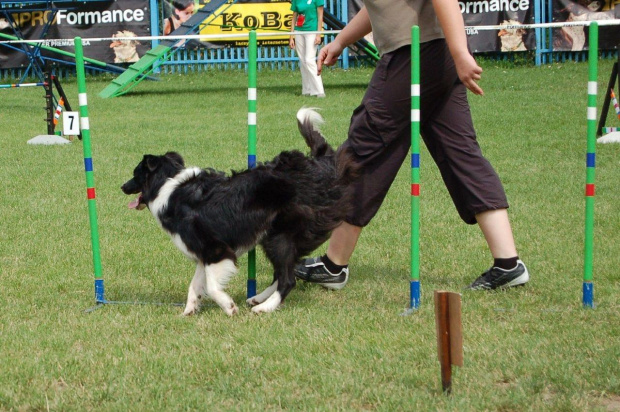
(261, 297)
(196, 290)
(280, 250)
(218, 275)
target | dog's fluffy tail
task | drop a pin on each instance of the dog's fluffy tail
(309, 122)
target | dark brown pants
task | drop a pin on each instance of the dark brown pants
(380, 134)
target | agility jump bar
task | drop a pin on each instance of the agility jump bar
(15, 85)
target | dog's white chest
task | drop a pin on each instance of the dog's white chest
(178, 242)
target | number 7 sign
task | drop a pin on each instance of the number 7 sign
(70, 123)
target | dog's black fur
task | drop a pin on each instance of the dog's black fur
(288, 205)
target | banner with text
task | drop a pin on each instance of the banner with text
(264, 16)
(510, 13)
(575, 38)
(127, 18)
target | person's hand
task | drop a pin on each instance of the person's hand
(469, 72)
(291, 42)
(317, 40)
(328, 55)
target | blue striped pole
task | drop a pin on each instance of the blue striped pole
(252, 57)
(15, 85)
(415, 169)
(588, 286)
(88, 166)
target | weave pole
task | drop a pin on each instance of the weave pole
(588, 286)
(16, 85)
(252, 57)
(88, 166)
(415, 169)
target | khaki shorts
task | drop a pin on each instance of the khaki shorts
(380, 134)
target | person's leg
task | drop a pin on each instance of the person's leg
(497, 231)
(342, 243)
(300, 48)
(379, 137)
(314, 81)
(473, 184)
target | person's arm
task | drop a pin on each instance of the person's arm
(319, 15)
(357, 28)
(451, 20)
(167, 29)
(291, 40)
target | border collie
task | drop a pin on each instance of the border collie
(288, 205)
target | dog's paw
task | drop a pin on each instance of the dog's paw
(269, 305)
(190, 311)
(253, 301)
(231, 310)
(191, 308)
(262, 309)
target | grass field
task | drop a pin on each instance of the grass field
(533, 348)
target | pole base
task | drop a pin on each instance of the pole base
(48, 139)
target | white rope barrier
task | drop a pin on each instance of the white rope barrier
(207, 37)
(204, 37)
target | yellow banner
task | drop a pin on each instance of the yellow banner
(265, 17)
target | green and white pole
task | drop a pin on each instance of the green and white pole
(415, 168)
(88, 167)
(588, 286)
(252, 57)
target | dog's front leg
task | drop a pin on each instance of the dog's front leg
(218, 275)
(261, 297)
(196, 290)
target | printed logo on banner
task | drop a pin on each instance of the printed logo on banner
(127, 18)
(264, 16)
(574, 38)
(509, 13)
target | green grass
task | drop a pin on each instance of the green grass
(532, 348)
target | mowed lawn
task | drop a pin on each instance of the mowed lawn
(532, 348)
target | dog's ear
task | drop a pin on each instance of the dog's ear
(175, 157)
(151, 162)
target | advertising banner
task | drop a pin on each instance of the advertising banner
(264, 16)
(127, 18)
(499, 12)
(575, 38)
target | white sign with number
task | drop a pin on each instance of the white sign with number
(70, 123)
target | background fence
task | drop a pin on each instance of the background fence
(540, 45)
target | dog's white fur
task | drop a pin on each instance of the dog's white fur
(310, 114)
(161, 201)
(210, 279)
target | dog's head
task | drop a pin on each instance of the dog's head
(124, 47)
(149, 175)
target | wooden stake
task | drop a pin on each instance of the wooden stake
(449, 335)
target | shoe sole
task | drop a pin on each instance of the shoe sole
(520, 281)
(334, 286)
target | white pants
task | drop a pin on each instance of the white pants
(311, 83)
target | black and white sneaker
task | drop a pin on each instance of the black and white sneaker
(496, 278)
(313, 270)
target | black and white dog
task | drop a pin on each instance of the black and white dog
(289, 206)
